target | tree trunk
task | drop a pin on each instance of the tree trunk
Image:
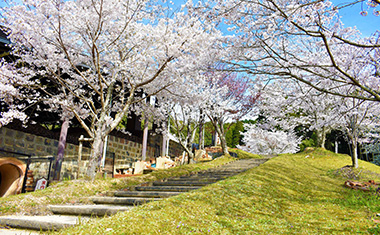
(215, 140)
(321, 135)
(190, 154)
(187, 149)
(223, 143)
(352, 132)
(220, 130)
(61, 149)
(354, 156)
(96, 155)
(100, 133)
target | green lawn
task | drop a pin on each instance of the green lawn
(242, 154)
(289, 194)
(78, 191)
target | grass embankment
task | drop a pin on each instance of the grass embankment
(78, 191)
(242, 154)
(289, 194)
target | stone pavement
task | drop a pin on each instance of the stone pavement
(71, 215)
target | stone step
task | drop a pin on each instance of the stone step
(14, 231)
(210, 177)
(217, 173)
(122, 200)
(224, 171)
(222, 176)
(93, 210)
(238, 168)
(181, 183)
(53, 222)
(245, 162)
(167, 188)
(195, 178)
(152, 194)
(228, 171)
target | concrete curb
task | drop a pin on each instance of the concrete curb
(123, 201)
(168, 188)
(54, 222)
(96, 210)
(153, 194)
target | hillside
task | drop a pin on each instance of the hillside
(78, 191)
(289, 194)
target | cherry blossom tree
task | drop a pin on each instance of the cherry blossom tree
(182, 108)
(185, 125)
(221, 96)
(289, 104)
(358, 119)
(227, 97)
(371, 142)
(10, 81)
(261, 141)
(366, 6)
(285, 106)
(301, 40)
(101, 55)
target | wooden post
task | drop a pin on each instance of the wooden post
(168, 138)
(61, 149)
(164, 140)
(201, 130)
(145, 140)
(81, 140)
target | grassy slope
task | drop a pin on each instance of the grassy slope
(290, 194)
(242, 154)
(77, 191)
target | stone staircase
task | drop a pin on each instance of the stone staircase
(71, 215)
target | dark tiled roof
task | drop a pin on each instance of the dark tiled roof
(3, 37)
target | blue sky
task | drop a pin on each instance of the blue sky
(349, 15)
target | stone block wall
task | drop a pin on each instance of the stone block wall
(175, 149)
(155, 141)
(25, 143)
(126, 152)
(41, 148)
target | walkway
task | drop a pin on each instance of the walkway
(71, 215)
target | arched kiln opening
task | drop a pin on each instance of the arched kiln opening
(12, 173)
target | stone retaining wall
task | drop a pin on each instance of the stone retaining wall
(125, 151)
